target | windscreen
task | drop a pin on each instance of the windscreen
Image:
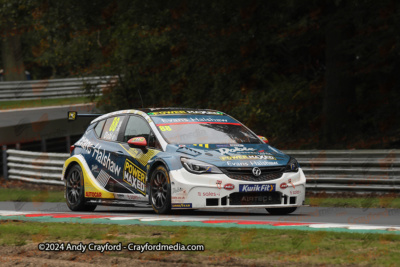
(207, 129)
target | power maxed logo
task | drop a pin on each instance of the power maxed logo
(135, 177)
(257, 187)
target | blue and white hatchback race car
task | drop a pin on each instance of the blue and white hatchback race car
(173, 158)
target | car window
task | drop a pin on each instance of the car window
(153, 141)
(138, 127)
(203, 129)
(99, 127)
(111, 128)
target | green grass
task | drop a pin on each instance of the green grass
(222, 245)
(23, 195)
(43, 102)
(355, 202)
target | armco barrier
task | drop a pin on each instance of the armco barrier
(35, 167)
(51, 88)
(330, 171)
(360, 171)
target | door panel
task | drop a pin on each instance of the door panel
(135, 165)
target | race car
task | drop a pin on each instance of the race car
(176, 158)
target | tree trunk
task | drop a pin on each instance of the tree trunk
(13, 63)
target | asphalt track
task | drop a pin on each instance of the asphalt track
(349, 216)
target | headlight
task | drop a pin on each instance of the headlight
(195, 166)
(292, 166)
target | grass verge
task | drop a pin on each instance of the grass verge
(24, 195)
(43, 102)
(223, 246)
(355, 202)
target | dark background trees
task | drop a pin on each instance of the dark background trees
(307, 74)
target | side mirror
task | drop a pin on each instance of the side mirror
(138, 142)
(264, 139)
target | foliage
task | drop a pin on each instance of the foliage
(310, 74)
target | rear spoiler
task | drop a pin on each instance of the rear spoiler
(73, 115)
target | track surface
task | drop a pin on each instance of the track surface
(357, 216)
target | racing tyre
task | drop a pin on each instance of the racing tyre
(74, 190)
(281, 211)
(160, 191)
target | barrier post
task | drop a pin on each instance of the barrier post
(43, 145)
(68, 142)
(5, 168)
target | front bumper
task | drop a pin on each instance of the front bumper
(189, 190)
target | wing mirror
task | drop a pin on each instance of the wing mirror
(138, 142)
(264, 139)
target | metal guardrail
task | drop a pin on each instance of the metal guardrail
(359, 171)
(35, 167)
(51, 88)
(330, 171)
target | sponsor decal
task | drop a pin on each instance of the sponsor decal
(229, 187)
(263, 163)
(113, 130)
(138, 139)
(165, 128)
(127, 196)
(104, 159)
(204, 112)
(202, 145)
(178, 190)
(194, 120)
(208, 194)
(235, 150)
(85, 144)
(219, 184)
(257, 187)
(92, 194)
(226, 145)
(94, 168)
(197, 112)
(252, 163)
(181, 205)
(167, 112)
(248, 157)
(262, 199)
(283, 185)
(177, 199)
(296, 192)
(135, 176)
(140, 156)
(114, 124)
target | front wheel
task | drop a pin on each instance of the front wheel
(281, 211)
(74, 190)
(160, 191)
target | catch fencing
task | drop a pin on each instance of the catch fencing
(53, 88)
(330, 171)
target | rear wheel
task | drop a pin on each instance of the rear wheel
(74, 190)
(281, 211)
(160, 191)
